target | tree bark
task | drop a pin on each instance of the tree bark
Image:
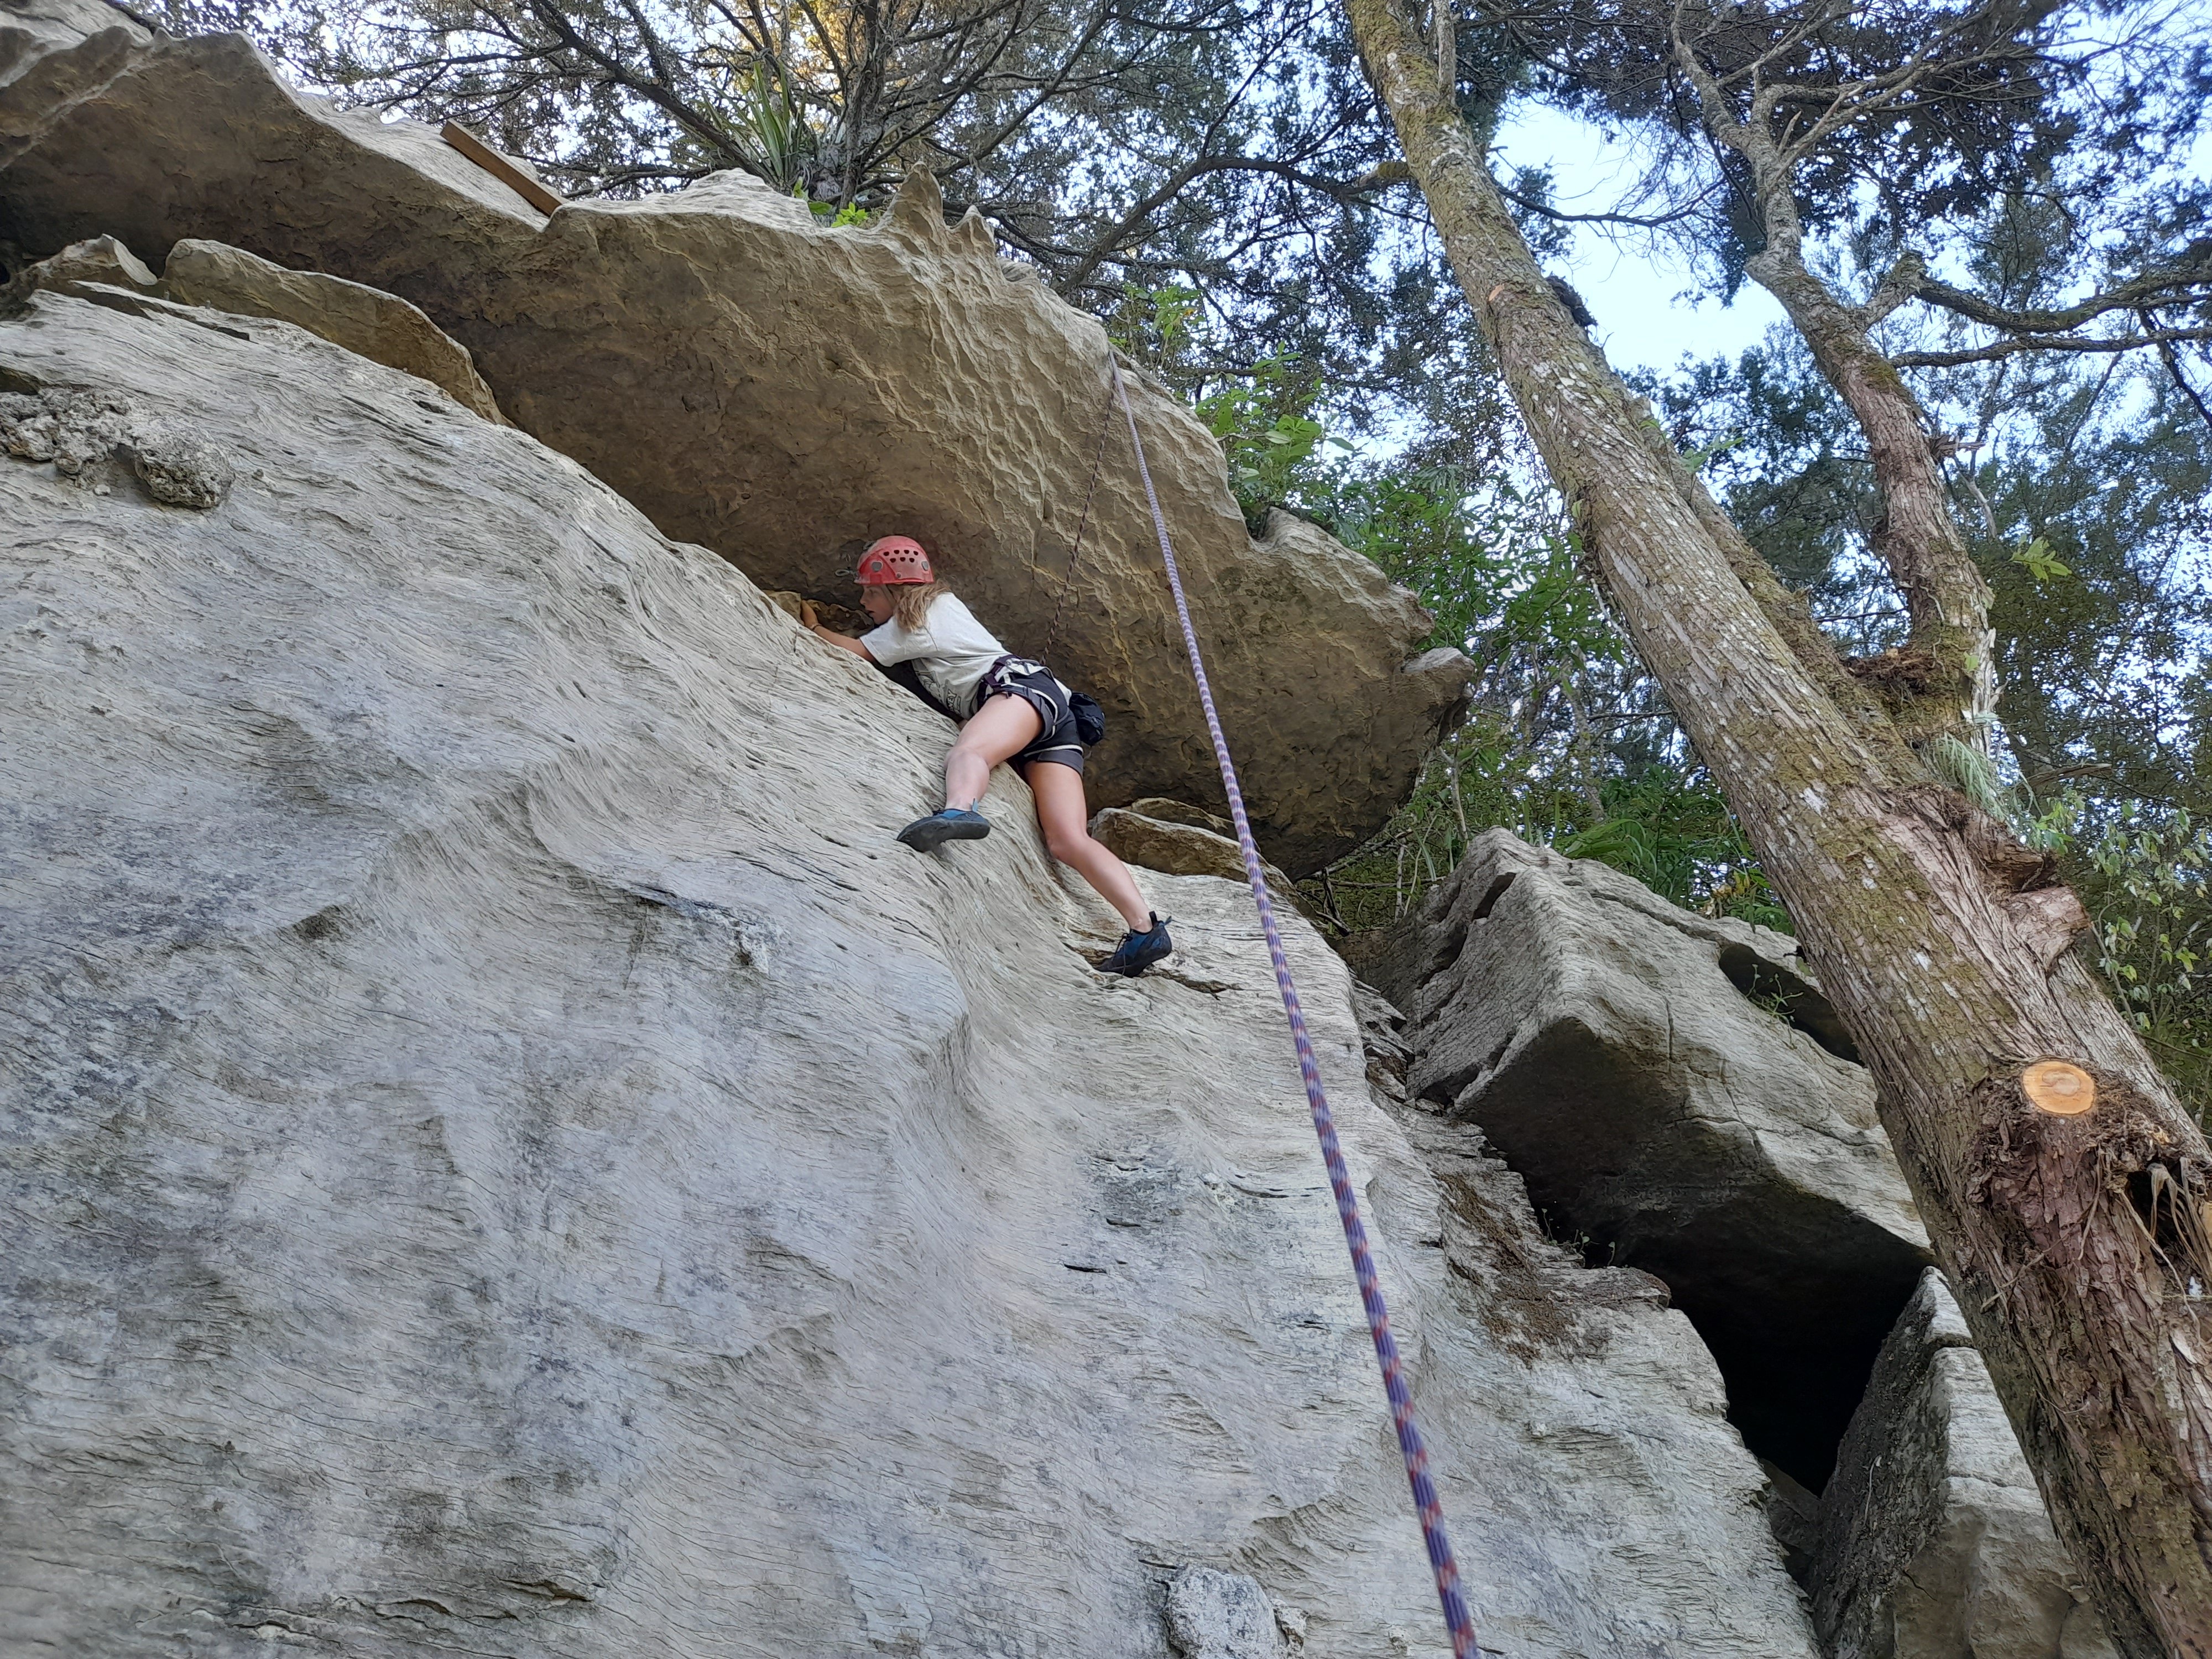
(1944, 685)
(1949, 688)
(1940, 940)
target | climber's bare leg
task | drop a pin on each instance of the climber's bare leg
(1064, 817)
(998, 731)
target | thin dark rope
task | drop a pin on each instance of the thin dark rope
(1456, 1617)
(1075, 547)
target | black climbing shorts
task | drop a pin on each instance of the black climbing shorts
(1056, 740)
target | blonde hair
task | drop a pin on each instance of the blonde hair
(910, 602)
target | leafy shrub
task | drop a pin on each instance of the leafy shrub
(2144, 883)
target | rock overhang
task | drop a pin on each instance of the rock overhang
(782, 392)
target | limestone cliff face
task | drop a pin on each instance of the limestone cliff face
(783, 393)
(506, 1157)
(54, 54)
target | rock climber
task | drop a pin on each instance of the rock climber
(1017, 713)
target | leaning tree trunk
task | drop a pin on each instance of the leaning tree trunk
(2073, 1236)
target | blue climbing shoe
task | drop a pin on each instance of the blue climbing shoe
(953, 823)
(1138, 951)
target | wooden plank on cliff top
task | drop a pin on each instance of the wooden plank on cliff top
(499, 167)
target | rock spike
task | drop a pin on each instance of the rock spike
(973, 234)
(919, 207)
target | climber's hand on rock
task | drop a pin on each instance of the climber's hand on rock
(809, 618)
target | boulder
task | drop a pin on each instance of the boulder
(506, 1154)
(783, 392)
(1177, 811)
(1182, 850)
(98, 259)
(1671, 1087)
(380, 326)
(1933, 1542)
(1794, 1514)
(1581, 1465)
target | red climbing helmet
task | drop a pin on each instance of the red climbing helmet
(892, 562)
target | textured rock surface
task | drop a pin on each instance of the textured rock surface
(782, 392)
(1794, 1513)
(506, 1156)
(53, 53)
(377, 325)
(1211, 1615)
(103, 442)
(1182, 850)
(100, 259)
(1934, 1543)
(1180, 811)
(1609, 1044)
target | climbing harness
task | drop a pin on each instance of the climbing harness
(1456, 1617)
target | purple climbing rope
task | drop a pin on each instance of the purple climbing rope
(1456, 1617)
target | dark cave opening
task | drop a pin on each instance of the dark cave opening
(1792, 1291)
(1796, 1362)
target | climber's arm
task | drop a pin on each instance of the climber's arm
(842, 641)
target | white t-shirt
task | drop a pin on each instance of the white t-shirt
(951, 651)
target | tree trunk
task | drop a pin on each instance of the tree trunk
(1948, 685)
(1936, 935)
(1944, 683)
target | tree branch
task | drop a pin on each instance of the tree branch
(1903, 281)
(2003, 349)
(1384, 174)
(2172, 360)
(1102, 250)
(2126, 297)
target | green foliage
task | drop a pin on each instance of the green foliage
(1158, 328)
(2142, 876)
(764, 124)
(1784, 454)
(2103, 670)
(2085, 490)
(2145, 884)
(1276, 447)
(1668, 826)
(1491, 565)
(1566, 742)
(1268, 435)
(1974, 773)
(841, 218)
(1675, 834)
(2037, 560)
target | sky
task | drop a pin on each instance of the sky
(1641, 322)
